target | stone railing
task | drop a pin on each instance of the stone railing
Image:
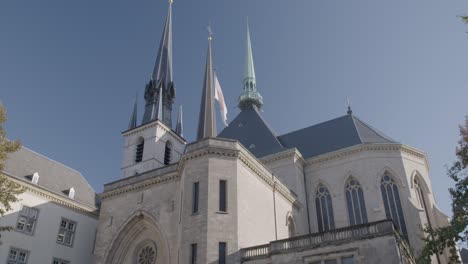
(373, 229)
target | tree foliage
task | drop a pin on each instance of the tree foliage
(439, 239)
(9, 190)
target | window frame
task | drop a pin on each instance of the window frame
(27, 218)
(222, 252)
(223, 204)
(354, 194)
(140, 143)
(18, 250)
(66, 230)
(326, 197)
(390, 186)
(167, 153)
(60, 261)
(193, 253)
(196, 197)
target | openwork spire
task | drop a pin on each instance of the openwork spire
(249, 95)
(160, 90)
(206, 120)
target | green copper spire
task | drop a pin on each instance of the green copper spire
(249, 95)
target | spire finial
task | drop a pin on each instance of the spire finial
(249, 95)
(210, 31)
(349, 107)
(206, 120)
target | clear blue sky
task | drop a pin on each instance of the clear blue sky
(69, 70)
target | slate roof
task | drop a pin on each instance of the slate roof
(464, 255)
(332, 135)
(53, 175)
(249, 128)
(252, 131)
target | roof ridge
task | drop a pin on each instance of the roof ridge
(321, 123)
(374, 130)
(355, 127)
(273, 133)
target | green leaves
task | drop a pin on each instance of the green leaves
(439, 239)
(9, 190)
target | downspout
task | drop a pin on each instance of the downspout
(274, 206)
(307, 200)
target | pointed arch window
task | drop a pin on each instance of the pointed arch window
(323, 204)
(419, 194)
(391, 198)
(355, 202)
(291, 227)
(168, 153)
(139, 150)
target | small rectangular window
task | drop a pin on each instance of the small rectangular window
(222, 196)
(66, 232)
(330, 261)
(60, 261)
(193, 254)
(347, 260)
(18, 256)
(222, 253)
(195, 197)
(27, 220)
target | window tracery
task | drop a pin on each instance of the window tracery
(355, 202)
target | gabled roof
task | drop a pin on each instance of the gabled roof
(53, 175)
(252, 131)
(332, 135)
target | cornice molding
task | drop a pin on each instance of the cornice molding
(58, 199)
(367, 147)
(155, 123)
(290, 153)
(211, 151)
(139, 185)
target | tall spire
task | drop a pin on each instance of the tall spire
(160, 91)
(206, 120)
(133, 119)
(180, 125)
(249, 95)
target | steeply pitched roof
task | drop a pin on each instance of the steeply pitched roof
(251, 130)
(332, 135)
(464, 255)
(53, 175)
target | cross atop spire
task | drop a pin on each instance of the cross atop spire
(249, 95)
(160, 90)
(206, 120)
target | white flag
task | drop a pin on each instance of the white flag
(220, 98)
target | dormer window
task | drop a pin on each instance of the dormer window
(139, 150)
(35, 178)
(71, 193)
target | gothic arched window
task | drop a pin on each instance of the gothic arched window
(139, 149)
(355, 201)
(392, 203)
(291, 227)
(419, 194)
(323, 204)
(167, 153)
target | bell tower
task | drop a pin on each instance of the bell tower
(153, 143)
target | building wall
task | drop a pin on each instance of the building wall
(368, 167)
(155, 134)
(382, 250)
(42, 244)
(156, 206)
